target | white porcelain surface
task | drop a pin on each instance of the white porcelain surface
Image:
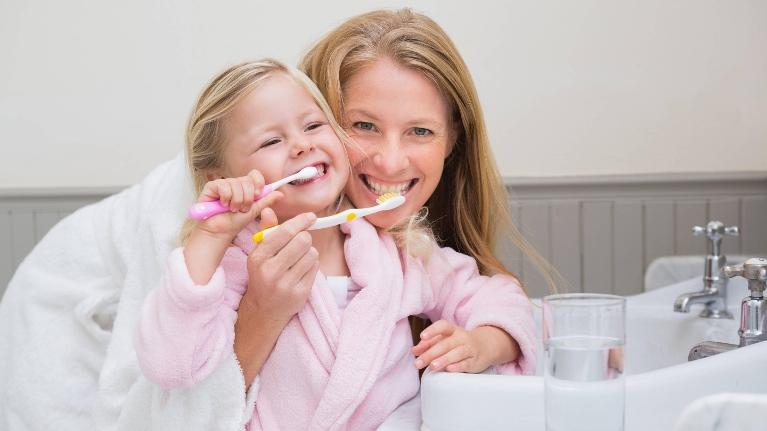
(659, 383)
(724, 412)
(667, 270)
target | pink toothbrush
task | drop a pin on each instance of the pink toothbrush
(205, 210)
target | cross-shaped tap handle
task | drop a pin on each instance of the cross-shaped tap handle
(754, 270)
(715, 230)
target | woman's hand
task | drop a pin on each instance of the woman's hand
(281, 272)
(281, 269)
(448, 347)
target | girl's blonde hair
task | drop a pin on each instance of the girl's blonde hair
(469, 206)
(205, 138)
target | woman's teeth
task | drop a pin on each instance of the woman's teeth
(381, 189)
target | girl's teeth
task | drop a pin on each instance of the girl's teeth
(320, 172)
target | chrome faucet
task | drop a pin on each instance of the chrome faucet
(753, 310)
(714, 293)
(753, 318)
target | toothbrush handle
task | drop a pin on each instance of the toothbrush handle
(206, 210)
(321, 223)
(267, 189)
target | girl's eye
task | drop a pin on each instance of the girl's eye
(363, 125)
(313, 126)
(270, 142)
(420, 131)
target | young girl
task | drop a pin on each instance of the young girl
(341, 357)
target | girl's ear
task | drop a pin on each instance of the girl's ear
(214, 175)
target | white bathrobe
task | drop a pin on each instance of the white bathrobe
(69, 315)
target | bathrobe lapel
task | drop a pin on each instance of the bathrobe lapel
(365, 327)
(321, 320)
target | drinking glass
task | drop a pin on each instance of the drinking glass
(584, 386)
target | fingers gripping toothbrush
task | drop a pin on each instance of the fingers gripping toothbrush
(385, 202)
(206, 210)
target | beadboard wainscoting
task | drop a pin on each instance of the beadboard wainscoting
(601, 233)
(27, 215)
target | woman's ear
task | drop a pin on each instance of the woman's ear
(452, 138)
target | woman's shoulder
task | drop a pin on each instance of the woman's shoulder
(444, 259)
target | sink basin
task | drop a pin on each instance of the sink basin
(659, 380)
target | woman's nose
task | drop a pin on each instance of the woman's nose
(390, 157)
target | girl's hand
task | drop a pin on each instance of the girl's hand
(239, 195)
(448, 347)
(210, 238)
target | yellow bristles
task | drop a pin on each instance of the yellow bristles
(385, 197)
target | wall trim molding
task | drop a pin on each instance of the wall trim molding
(638, 186)
(53, 192)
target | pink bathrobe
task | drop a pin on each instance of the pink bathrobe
(329, 370)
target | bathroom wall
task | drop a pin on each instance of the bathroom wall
(618, 124)
(95, 94)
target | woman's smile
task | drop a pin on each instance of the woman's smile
(380, 187)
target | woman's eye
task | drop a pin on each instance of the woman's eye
(420, 131)
(363, 125)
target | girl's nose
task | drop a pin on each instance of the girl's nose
(301, 145)
(390, 157)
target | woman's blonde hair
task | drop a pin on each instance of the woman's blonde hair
(205, 138)
(469, 206)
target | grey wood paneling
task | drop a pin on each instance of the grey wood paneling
(658, 229)
(6, 253)
(22, 234)
(628, 233)
(600, 232)
(652, 216)
(566, 243)
(597, 225)
(44, 221)
(686, 215)
(535, 224)
(753, 227)
(510, 255)
(27, 215)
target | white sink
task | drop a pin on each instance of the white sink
(659, 380)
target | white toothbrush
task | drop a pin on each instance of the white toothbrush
(385, 202)
(205, 210)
